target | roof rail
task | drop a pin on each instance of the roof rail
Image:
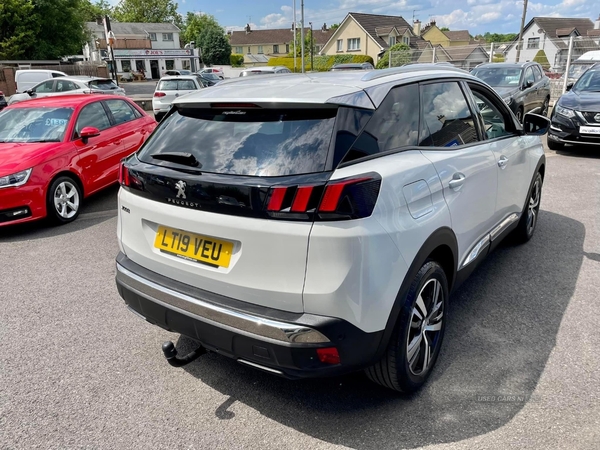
(407, 68)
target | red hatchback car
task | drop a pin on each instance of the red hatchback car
(55, 151)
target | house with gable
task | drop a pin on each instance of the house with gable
(552, 34)
(372, 35)
(446, 39)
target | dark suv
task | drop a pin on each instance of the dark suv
(523, 86)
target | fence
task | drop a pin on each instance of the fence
(556, 55)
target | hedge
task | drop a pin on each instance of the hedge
(321, 63)
(236, 60)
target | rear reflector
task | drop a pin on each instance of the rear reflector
(328, 355)
(159, 94)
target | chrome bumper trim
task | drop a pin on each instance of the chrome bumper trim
(237, 321)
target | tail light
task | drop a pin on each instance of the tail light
(159, 94)
(350, 198)
(124, 179)
(328, 355)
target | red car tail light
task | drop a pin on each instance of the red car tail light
(159, 94)
(350, 198)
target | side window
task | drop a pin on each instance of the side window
(121, 111)
(57, 74)
(537, 73)
(65, 85)
(92, 115)
(44, 87)
(495, 123)
(446, 118)
(394, 124)
(529, 76)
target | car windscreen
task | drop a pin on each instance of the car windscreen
(34, 124)
(258, 142)
(588, 82)
(176, 85)
(103, 85)
(498, 76)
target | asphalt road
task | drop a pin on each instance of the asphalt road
(519, 366)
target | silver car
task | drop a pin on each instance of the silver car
(267, 70)
(312, 225)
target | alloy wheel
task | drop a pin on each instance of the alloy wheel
(425, 327)
(534, 206)
(66, 200)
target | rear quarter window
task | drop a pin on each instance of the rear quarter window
(176, 85)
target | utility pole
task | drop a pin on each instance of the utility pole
(110, 41)
(520, 41)
(312, 48)
(302, 32)
(294, 30)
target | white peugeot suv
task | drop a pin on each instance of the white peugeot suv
(312, 225)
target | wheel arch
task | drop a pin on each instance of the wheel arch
(442, 247)
(70, 174)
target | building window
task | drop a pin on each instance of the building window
(405, 40)
(170, 64)
(126, 65)
(239, 50)
(185, 64)
(249, 50)
(287, 48)
(152, 36)
(533, 42)
(353, 44)
(276, 49)
(317, 48)
(260, 50)
(392, 40)
(167, 36)
(340, 45)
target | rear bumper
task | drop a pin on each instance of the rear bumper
(276, 341)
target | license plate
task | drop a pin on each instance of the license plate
(590, 130)
(193, 247)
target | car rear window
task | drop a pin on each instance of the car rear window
(176, 85)
(257, 142)
(104, 85)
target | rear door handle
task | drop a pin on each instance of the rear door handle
(457, 181)
(502, 162)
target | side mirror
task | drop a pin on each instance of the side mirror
(569, 86)
(30, 92)
(536, 125)
(88, 132)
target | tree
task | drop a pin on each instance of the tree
(41, 29)
(401, 54)
(214, 45)
(149, 11)
(90, 11)
(307, 44)
(195, 23)
(444, 29)
(497, 37)
(334, 27)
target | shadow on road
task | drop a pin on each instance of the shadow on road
(502, 327)
(580, 151)
(95, 209)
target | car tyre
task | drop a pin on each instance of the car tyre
(544, 111)
(529, 216)
(63, 200)
(415, 343)
(555, 145)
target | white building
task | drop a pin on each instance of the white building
(149, 47)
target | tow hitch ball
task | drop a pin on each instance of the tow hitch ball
(170, 353)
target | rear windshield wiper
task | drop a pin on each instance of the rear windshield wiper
(186, 159)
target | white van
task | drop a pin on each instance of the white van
(28, 78)
(581, 64)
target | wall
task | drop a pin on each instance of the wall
(529, 54)
(436, 37)
(162, 45)
(350, 29)
(7, 81)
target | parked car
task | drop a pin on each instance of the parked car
(27, 78)
(267, 70)
(169, 88)
(175, 73)
(308, 225)
(523, 86)
(56, 151)
(576, 115)
(212, 70)
(352, 66)
(209, 79)
(69, 86)
(3, 102)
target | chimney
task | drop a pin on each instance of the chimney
(597, 23)
(248, 30)
(417, 27)
(433, 23)
(324, 27)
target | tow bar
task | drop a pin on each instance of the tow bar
(170, 353)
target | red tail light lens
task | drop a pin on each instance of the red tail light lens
(124, 179)
(328, 355)
(334, 191)
(277, 196)
(159, 94)
(301, 199)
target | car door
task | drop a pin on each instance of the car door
(133, 128)
(65, 87)
(509, 149)
(97, 156)
(530, 96)
(44, 89)
(449, 138)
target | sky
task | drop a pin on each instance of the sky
(477, 16)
